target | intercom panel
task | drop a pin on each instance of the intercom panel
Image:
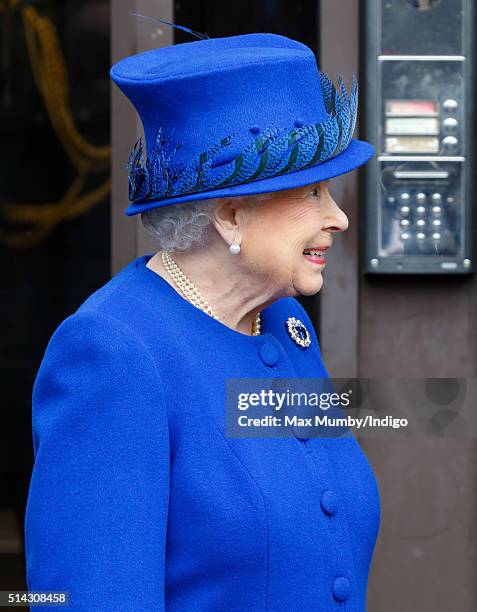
(419, 114)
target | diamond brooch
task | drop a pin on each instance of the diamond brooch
(298, 332)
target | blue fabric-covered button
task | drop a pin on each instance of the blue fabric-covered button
(341, 588)
(329, 502)
(268, 354)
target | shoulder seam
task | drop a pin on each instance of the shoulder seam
(86, 304)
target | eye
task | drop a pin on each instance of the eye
(316, 192)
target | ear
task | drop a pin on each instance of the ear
(227, 219)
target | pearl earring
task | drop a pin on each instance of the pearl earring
(234, 248)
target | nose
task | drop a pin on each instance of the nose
(334, 219)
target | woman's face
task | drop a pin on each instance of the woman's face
(284, 237)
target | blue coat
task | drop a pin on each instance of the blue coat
(139, 501)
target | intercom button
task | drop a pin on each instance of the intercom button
(450, 123)
(450, 141)
(450, 105)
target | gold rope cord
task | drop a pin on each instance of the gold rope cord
(50, 74)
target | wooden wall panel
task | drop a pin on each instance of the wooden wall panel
(130, 35)
(339, 295)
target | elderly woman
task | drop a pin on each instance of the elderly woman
(139, 500)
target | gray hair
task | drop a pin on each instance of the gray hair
(178, 227)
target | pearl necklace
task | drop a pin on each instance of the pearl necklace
(190, 291)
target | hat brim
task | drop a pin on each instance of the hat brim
(357, 154)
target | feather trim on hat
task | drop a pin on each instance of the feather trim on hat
(273, 153)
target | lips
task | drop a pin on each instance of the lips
(315, 255)
(316, 249)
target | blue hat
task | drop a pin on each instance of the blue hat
(235, 116)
